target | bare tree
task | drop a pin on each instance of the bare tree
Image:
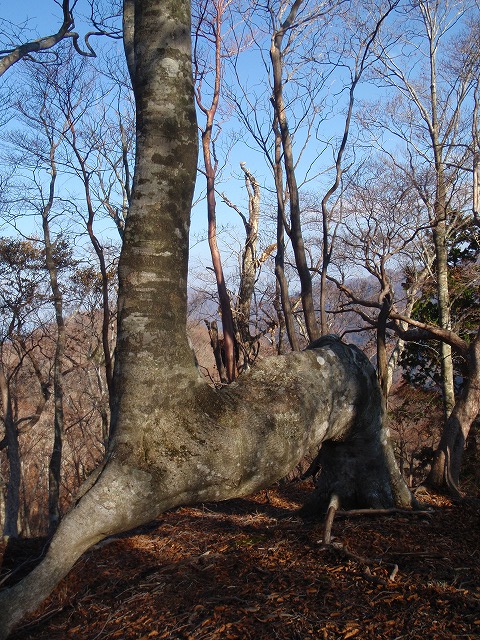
(435, 77)
(287, 38)
(208, 26)
(52, 265)
(383, 232)
(437, 100)
(13, 52)
(287, 26)
(175, 439)
(22, 294)
(250, 262)
(388, 226)
(361, 34)
(42, 149)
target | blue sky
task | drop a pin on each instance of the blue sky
(42, 17)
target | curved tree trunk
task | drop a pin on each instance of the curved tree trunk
(445, 471)
(210, 162)
(175, 440)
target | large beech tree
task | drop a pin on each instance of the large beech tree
(175, 440)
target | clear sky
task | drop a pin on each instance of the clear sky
(29, 19)
(42, 17)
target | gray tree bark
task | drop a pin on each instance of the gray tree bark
(447, 461)
(175, 440)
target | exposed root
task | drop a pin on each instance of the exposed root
(366, 563)
(333, 507)
(384, 512)
(341, 549)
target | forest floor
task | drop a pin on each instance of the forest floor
(252, 569)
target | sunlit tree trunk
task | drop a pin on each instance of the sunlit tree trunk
(51, 261)
(211, 165)
(248, 271)
(295, 233)
(175, 439)
(446, 466)
(282, 282)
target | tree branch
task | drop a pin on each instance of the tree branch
(20, 51)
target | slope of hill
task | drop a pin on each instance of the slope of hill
(253, 569)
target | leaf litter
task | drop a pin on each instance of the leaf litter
(253, 569)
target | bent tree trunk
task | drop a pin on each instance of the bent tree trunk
(175, 440)
(445, 471)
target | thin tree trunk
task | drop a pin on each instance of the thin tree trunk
(443, 302)
(216, 345)
(476, 153)
(223, 297)
(277, 304)
(280, 255)
(210, 173)
(12, 503)
(440, 233)
(382, 363)
(97, 247)
(55, 464)
(296, 235)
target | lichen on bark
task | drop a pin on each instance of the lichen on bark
(176, 440)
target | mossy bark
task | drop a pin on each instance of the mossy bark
(174, 439)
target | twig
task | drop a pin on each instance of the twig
(393, 573)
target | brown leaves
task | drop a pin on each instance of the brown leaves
(250, 569)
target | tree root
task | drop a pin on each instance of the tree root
(333, 507)
(384, 512)
(341, 550)
(334, 510)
